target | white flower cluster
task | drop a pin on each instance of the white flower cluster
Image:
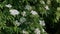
(42, 22)
(43, 30)
(42, 2)
(25, 32)
(16, 23)
(8, 5)
(22, 19)
(34, 12)
(37, 31)
(28, 7)
(23, 13)
(14, 12)
(46, 7)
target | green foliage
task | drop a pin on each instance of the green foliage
(35, 10)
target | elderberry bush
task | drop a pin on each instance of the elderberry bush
(29, 16)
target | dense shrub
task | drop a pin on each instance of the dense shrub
(29, 16)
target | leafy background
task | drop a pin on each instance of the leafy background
(51, 16)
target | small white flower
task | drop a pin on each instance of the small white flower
(16, 23)
(34, 12)
(22, 19)
(46, 7)
(28, 7)
(42, 2)
(43, 30)
(14, 12)
(37, 31)
(42, 22)
(9, 5)
(25, 32)
(23, 13)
